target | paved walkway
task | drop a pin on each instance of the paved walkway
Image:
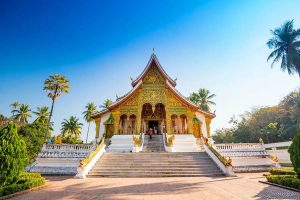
(245, 186)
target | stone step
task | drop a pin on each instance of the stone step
(157, 164)
(183, 170)
(152, 175)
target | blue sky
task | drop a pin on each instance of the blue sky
(99, 45)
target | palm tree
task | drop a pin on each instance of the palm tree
(285, 44)
(42, 114)
(71, 127)
(22, 114)
(203, 98)
(106, 104)
(55, 85)
(14, 106)
(90, 108)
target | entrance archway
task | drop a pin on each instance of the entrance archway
(153, 117)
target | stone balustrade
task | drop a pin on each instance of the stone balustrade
(241, 150)
(239, 147)
(66, 150)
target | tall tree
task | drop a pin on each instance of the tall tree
(42, 114)
(87, 114)
(285, 44)
(203, 98)
(106, 104)
(55, 85)
(14, 106)
(71, 127)
(23, 113)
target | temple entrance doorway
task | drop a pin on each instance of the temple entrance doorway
(154, 124)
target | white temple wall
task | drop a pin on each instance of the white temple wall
(201, 117)
(104, 117)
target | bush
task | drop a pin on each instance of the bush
(25, 181)
(71, 140)
(285, 180)
(282, 171)
(13, 156)
(33, 135)
(294, 151)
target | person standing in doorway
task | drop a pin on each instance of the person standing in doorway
(150, 133)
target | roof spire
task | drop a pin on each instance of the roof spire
(153, 50)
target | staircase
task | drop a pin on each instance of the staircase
(155, 144)
(155, 164)
(185, 143)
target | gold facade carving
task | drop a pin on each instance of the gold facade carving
(153, 91)
(153, 76)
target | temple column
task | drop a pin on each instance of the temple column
(116, 116)
(207, 122)
(190, 116)
(97, 122)
(139, 113)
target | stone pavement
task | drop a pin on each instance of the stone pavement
(245, 186)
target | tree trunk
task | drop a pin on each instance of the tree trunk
(87, 135)
(49, 121)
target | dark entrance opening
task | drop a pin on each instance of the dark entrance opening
(152, 124)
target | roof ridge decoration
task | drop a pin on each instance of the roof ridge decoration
(154, 59)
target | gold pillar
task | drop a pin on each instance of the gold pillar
(207, 121)
(190, 116)
(97, 122)
(116, 116)
(139, 113)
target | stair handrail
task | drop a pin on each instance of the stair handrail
(225, 164)
(88, 163)
(168, 142)
(169, 139)
(138, 142)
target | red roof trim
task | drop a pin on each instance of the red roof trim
(188, 102)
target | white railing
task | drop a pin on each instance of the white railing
(239, 147)
(278, 144)
(241, 150)
(66, 150)
(69, 147)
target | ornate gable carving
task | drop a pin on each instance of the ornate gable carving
(153, 76)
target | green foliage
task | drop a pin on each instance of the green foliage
(42, 114)
(203, 98)
(285, 180)
(286, 47)
(24, 182)
(22, 114)
(71, 127)
(14, 106)
(13, 156)
(294, 151)
(106, 104)
(271, 124)
(3, 121)
(282, 171)
(33, 135)
(71, 140)
(55, 86)
(90, 109)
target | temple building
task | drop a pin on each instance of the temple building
(153, 102)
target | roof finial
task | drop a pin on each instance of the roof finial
(153, 50)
